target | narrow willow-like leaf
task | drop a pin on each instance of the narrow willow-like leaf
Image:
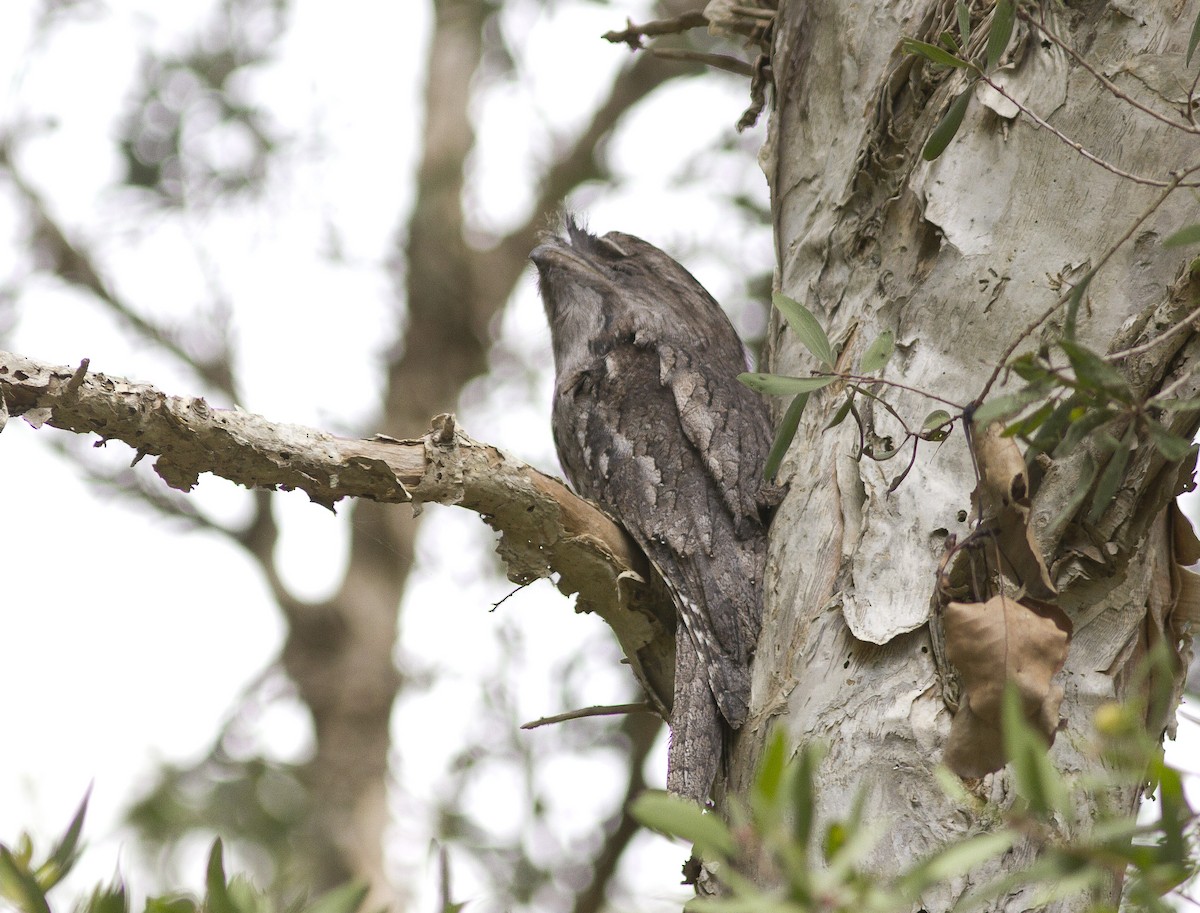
(1173, 447)
(843, 411)
(1038, 782)
(1188, 235)
(806, 327)
(1082, 426)
(878, 352)
(1193, 41)
(1029, 424)
(171, 903)
(1001, 31)
(1001, 407)
(955, 860)
(783, 437)
(19, 886)
(1110, 479)
(343, 899)
(964, 22)
(940, 138)
(1073, 302)
(776, 385)
(933, 53)
(1094, 373)
(217, 898)
(681, 818)
(1177, 405)
(67, 851)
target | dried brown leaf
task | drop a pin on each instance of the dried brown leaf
(993, 643)
(1003, 500)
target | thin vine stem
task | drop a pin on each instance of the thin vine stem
(1028, 331)
(1079, 147)
(1104, 80)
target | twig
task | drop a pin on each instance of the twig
(583, 712)
(861, 379)
(1078, 147)
(1002, 364)
(718, 61)
(632, 35)
(1101, 78)
(1150, 344)
(76, 380)
(754, 12)
(510, 595)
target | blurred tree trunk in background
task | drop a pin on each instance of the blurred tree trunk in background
(341, 653)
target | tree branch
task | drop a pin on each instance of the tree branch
(545, 529)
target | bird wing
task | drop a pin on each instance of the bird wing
(634, 434)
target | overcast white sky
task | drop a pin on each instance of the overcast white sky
(126, 640)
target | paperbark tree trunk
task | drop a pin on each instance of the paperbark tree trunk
(957, 257)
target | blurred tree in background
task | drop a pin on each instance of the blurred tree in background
(195, 137)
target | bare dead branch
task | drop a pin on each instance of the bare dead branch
(545, 529)
(717, 61)
(632, 35)
(585, 712)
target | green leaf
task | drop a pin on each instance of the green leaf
(64, 855)
(804, 792)
(217, 898)
(932, 53)
(1049, 435)
(1037, 780)
(940, 138)
(1001, 407)
(1093, 373)
(933, 428)
(681, 818)
(777, 385)
(1030, 368)
(112, 899)
(878, 352)
(1177, 405)
(1193, 41)
(955, 860)
(1080, 427)
(768, 784)
(1073, 302)
(840, 415)
(343, 899)
(964, 22)
(18, 885)
(1026, 426)
(783, 437)
(1001, 31)
(171, 904)
(1110, 479)
(1188, 235)
(1087, 474)
(1171, 446)
(1175, 815)
(806, 328)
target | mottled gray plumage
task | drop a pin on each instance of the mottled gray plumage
(650, 422)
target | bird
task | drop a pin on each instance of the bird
(651, 423)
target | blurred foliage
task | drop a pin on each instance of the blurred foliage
(190, 134)
(26, 880)
(258, 803)
(1082, 842)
